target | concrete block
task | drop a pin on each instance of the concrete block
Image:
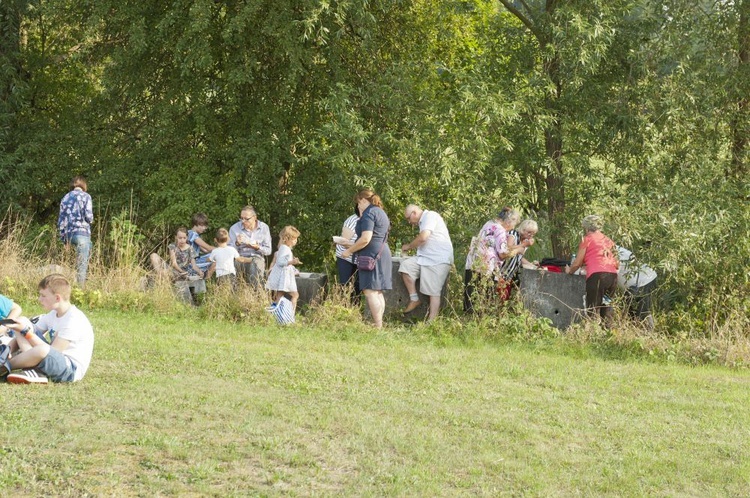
(186, 288)
(397, 298)
(556, 296)
(310, 286)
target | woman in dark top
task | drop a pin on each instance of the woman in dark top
(372, 231)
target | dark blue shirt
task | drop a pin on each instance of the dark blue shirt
(76, 215)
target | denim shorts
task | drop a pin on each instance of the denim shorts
(58, 367)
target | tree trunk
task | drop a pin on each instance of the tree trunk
(555, 183)
(540, 26)
(555, 179)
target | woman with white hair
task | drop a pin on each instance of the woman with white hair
(519, 241)
(486, 254)
(599, 255)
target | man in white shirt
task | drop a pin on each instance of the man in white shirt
(433, 261)
(252, 239)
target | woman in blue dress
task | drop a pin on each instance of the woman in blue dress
(372, 240)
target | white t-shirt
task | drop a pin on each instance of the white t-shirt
(631, 273)
(437, 249)
(73, 326)
(224, 258)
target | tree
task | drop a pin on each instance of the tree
(571, 41)
(740, 122)
(12, 79)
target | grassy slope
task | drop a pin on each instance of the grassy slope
(176, 407)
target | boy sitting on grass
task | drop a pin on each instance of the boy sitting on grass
(57, 347)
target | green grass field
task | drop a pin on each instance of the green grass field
(185, 407)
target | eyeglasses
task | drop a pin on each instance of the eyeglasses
(408, 216)
(251, 218)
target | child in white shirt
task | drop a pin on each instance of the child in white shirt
(222, 260)
(282, 280)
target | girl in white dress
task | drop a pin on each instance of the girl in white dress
(281, 279)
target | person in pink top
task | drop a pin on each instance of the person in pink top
(599, 255)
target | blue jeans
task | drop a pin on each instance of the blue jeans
(253, 273)
(347, 272)
(203, 262)
(82, 243)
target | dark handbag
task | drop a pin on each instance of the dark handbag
(367, 263)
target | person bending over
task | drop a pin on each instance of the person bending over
(433, 261)
(599, 255)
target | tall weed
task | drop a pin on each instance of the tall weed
(27, 256)
(244, 303)
(337, 310)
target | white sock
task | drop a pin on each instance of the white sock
(413, 297)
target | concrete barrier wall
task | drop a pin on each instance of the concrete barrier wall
(310, 286)
(184, 289)
(397, 298)
(556, 296)
(313, 285)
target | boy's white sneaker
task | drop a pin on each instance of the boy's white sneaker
(30, 376)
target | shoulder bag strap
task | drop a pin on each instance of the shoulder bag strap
(385, 241)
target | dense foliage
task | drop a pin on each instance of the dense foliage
(636, 109)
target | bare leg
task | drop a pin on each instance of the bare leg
(31, 357)
(411, 288)
(410, 285)
(295, 298)
(376, 302)
(434, 307)
(22, 344)
(159, 265)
